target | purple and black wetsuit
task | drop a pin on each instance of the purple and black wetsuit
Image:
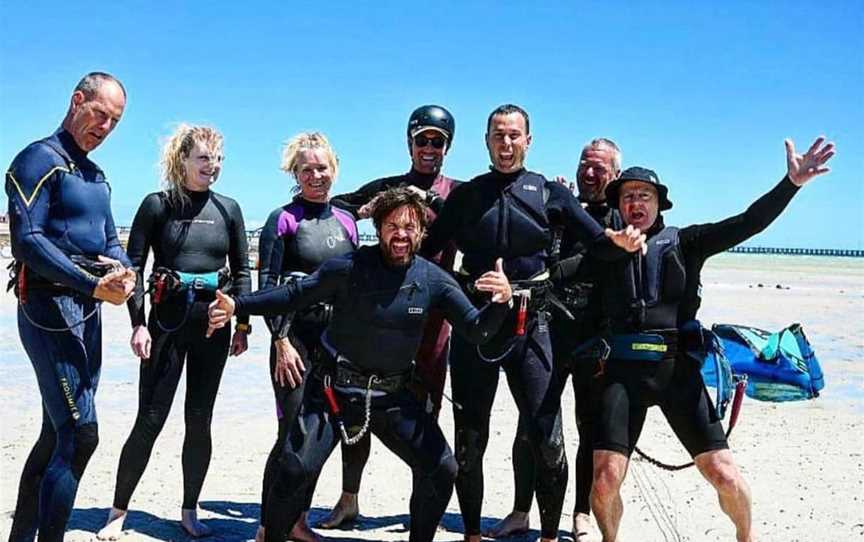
(298, 238)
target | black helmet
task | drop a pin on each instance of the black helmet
(432, 117)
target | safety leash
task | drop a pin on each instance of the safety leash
(330, 395)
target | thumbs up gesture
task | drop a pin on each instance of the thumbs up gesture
(496, 283)
(219, 312)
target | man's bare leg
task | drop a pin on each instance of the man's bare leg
(609, 471)
(347, 509)
(113, 528)
(516, 522)
(719, 468)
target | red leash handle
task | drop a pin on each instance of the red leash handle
(522, 315)
(22, 284)
(330, 395)
(740, 387)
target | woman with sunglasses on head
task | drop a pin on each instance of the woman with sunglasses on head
(296, 239)
(193, 232)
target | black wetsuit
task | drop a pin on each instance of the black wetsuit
(59, 209)
(379, 313)
(435, 347)
(195, 238)
(576, 350)
(297, 238)
(509, 217)
(670, 299)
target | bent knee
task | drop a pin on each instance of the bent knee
(720, 470)
(293, 471)
(609, 471)
(469, 449)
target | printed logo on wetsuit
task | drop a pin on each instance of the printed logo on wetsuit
(663, 241)
(529, 187)
(196, 221)
(415, 310)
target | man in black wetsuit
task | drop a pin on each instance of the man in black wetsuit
(62, 236)
(575, 347)
(430, 133)
(509, 213)
(381, 297)
(647, 301)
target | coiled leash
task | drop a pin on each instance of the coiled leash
(333, 403)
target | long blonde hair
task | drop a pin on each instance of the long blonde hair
(176, 149)
(307, 141)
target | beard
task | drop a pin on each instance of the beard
(398, 255)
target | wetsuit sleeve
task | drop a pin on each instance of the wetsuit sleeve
(565, 209)
(447, 222)
(711, 238)
(113, 246)
(322, 285)
(144, 227)
(271, 253)
(352, 201)
(238, 257)
(475, 325)
(30, 183)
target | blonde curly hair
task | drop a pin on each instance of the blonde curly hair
(307, 141)
(176, 149)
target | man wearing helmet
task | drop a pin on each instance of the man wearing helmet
(429, 134)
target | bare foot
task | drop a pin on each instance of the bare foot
(473, 538)
(189, 520)
(581, 527)
(345, 510)
(259, 534)
(516, 522)
(302, 533)
(113, 528)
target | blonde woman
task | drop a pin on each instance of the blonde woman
(297, 238)
(198, 241)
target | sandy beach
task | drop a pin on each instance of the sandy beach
(804, 461)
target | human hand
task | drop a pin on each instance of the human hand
(289, 367)
(219, 312)
(367, 210)
(116, 287)
(496, 283)
(802, 169)
(141, 342)
(239, 343)
(562, 180)
(630, 239)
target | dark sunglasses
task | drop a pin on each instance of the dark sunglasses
(437, 142)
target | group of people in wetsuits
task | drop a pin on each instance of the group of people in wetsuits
(534, 281)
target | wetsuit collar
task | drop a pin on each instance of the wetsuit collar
(506, 178)
(421, 180)
(69, 145)
(311, 208)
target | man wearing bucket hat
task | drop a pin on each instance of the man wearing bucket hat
(647, 299)
(430, 134)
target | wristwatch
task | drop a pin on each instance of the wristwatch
(245, 328)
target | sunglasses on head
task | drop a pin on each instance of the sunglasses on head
(437, 142)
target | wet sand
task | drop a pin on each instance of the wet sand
(804, 461)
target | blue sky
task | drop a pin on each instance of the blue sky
(702, 92)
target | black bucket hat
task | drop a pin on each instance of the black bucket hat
(641, 174)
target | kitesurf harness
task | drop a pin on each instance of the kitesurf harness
(22, 280)
(164, 283)
(347, 378)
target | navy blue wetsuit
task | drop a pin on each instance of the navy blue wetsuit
(510, 216)
(379, 313)
(197, 237)
(297, 238)
(435, 347)
(656, 294)
(59, 207)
